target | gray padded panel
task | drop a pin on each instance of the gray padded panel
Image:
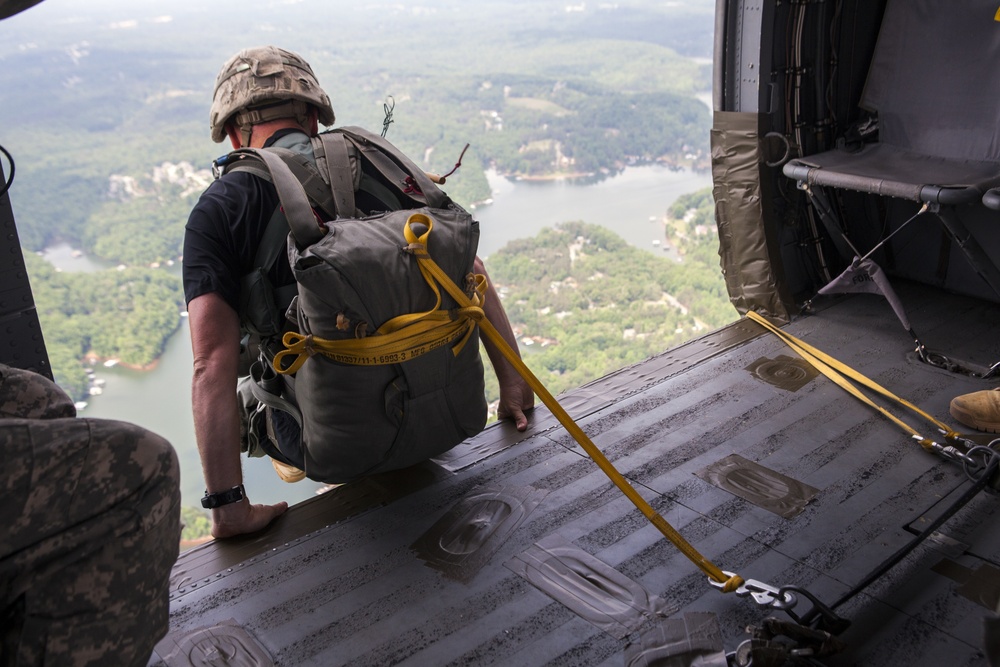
(934, 78)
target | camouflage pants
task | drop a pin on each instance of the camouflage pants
(90, 531)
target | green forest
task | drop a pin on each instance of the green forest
(584, 303)
(125, 315)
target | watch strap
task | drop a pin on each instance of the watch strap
(220, 498)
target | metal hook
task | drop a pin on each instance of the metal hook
(763, 594)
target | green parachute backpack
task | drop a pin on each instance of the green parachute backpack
(384, 373)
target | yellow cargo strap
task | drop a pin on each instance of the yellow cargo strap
(401, 338)
(840, 373)
(426, 336)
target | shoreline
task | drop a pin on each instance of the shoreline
(94, 361)
(605, 172)
(560, 176)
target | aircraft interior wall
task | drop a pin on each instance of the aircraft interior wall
(19, 325)
(820, 54)
(820, 57)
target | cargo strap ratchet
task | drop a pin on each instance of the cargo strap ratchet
(470, 313)
(842, 375)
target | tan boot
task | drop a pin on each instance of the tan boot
(287, 473)
(979, 410)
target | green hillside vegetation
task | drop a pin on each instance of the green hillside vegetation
(584, 303)
(125, 315)
(117, 102)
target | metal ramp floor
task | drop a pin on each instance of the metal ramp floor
(517, 550)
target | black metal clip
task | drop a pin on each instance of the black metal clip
(778, 643)
(820, 617)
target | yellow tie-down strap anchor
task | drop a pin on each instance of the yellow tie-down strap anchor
(471, 313)
(842, 375)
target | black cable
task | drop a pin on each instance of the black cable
(10, 179)
(387, 108)
(894, 559)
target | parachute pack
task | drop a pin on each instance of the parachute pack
(377, 372)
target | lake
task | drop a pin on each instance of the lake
(631, 203)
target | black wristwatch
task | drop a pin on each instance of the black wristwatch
(213, 500)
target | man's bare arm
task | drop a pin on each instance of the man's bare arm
(516, 396)
(215, 335)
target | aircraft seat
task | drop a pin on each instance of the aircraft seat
(935, 86)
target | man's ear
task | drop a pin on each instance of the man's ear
(234, 136)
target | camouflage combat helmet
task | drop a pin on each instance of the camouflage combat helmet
(261, 84)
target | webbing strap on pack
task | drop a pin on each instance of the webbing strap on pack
(302, 221)
(331, 152)
(400, 339)
(842, 374)
(309, 177)
(471, 311)
(378, 150)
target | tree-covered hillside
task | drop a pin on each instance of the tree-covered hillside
(113, 314)
(584, 303)
(111, 93)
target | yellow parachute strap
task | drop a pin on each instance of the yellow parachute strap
(403, 337)
(730, 583)
(408, 336)
(836, 371)
(432, 332)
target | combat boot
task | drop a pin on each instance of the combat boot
(979, 410)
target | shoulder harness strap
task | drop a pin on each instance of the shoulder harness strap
(297, 208)
(272, 244)
(331, 153)
(312, 182)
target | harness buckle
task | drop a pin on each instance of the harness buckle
(219, 165)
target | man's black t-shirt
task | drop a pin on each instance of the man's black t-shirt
(220, 244)
(223, 232)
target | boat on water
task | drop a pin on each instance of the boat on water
(853, 153)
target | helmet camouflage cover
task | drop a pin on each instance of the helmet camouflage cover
(262, 76)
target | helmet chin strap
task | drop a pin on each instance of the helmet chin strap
(246, 119)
